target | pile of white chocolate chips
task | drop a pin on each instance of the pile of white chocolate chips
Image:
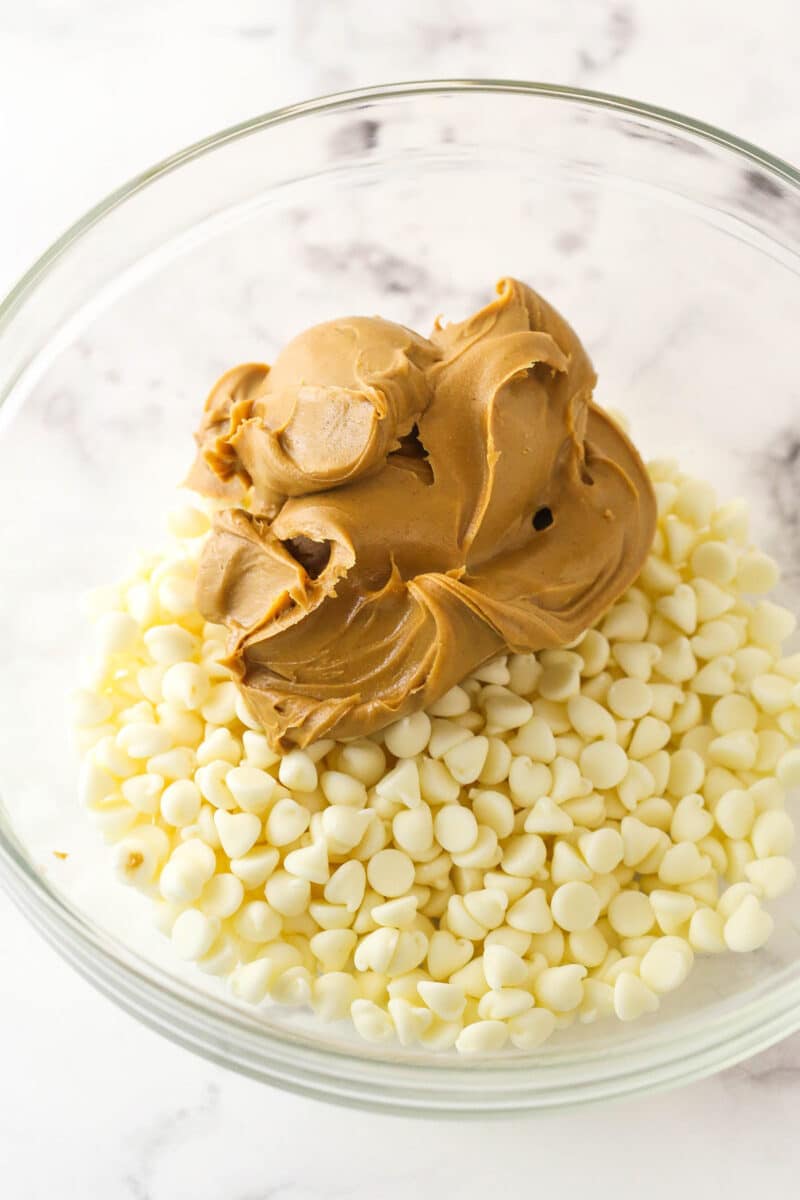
(553, 840)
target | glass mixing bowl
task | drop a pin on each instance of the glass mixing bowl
(672, 247)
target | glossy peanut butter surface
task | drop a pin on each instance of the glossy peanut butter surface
(400, 509)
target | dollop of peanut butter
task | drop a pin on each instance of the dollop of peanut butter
(401, 509)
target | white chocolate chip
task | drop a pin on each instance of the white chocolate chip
(748, 927)
(632, 997)
(298, 771)
(193, 934)
(466, 761)
(456, 828)
(630, 914)
(309, 862)
(630, 698)
(772, 834)
(575, 906)
(238, 832)
(604, 764)
(482, 1037)
(560, 988)
(390, 873)
(408, 737)
(403, 783)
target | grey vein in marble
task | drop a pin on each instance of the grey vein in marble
(163, 1135)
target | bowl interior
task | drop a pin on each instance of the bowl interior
(675, 257)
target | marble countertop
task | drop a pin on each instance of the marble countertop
(92, 1104)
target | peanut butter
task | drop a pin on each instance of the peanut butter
(402, 509)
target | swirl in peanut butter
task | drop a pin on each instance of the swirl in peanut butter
(402, 509)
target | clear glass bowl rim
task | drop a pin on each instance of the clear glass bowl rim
(370, 1080)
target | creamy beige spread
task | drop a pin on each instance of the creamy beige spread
(403, 509)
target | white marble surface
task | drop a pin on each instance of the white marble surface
(90, 1103)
